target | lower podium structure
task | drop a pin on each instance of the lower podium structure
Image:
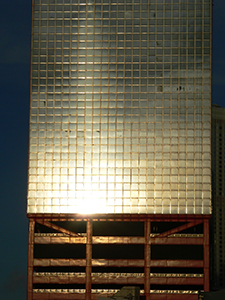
(86, 257)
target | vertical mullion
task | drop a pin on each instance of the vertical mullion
(147, 259)
(88, 259)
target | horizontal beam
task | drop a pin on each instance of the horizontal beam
(177, 241)
(58, 280)
(177, 281)
(66, 279)
(120, 217)
(182, 263)
(54, 262)
(119, 240)
(174, 296)
(59, 240)
(117, 263)
(79, 296)
(59, 296)
(81, 280)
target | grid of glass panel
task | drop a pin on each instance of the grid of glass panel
(120, 107)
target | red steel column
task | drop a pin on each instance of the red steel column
(206, 255)
(88, 259)
(147, 259)
(30, 263)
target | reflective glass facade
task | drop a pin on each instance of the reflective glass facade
(120, 111)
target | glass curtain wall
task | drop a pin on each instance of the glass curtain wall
(120, 111)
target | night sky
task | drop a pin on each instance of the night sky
(15, 16)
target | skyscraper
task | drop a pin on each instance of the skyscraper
(120, 130)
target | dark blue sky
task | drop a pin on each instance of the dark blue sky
(15, 16)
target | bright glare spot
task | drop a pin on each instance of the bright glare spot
(91, 203)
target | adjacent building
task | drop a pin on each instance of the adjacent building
(218, 194)
(119, 185)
